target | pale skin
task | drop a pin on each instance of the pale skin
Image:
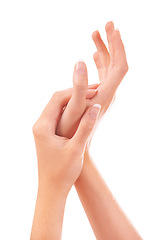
(112, 67)
(106, 218)
(60, 162)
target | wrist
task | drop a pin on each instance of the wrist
(87, 163)
(49, 212)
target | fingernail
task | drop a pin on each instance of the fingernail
(80, 67)
(94, 111)
(117, 29)
(92, 90)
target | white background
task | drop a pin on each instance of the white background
(40, 41)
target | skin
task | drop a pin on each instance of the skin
(60, 162)
(106, 217)
(112, 67)
(64, 160)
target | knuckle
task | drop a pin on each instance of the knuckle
(39, 129)
(80, 86)
(74, 150)
(122, 67)
(126, 67)
(56, 96)
(36, 129)
(79, 83)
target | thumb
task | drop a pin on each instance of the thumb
(86, 126)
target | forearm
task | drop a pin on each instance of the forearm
(48, 217)
(105, 216)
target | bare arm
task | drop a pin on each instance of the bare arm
(49, 211)
(107, 219)
(59, 165)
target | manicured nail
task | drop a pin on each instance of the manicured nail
(117, 29)
(80, 67)
(92, 90)
(94, 111)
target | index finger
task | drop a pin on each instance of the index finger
(55, 107)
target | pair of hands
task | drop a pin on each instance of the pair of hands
(64, 127)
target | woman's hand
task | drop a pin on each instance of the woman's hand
(112, 66)
(60, 159)
(60, 162)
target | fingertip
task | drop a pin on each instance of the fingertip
(118, 32)
(95, 34)
(109, 25)
(94, 111)
(80, 82)
(80, 67)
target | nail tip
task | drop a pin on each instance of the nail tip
(80, 67)
(95, 110)
(97, 105)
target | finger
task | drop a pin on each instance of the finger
(70, 118)
(71, 115)
(101, 47)
(55, 106)
(86, 126)
(80, 83)
(103, 57)
(107, 88)
(116, 47)
(109, 31)
(109, 27)
(91, 93)
(119, 50)
(102, 69)
(98, 60)
(119, 66)
(91, 86)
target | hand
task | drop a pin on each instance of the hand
(112, 67)
(60, 159)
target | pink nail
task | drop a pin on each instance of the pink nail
(80, 67)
